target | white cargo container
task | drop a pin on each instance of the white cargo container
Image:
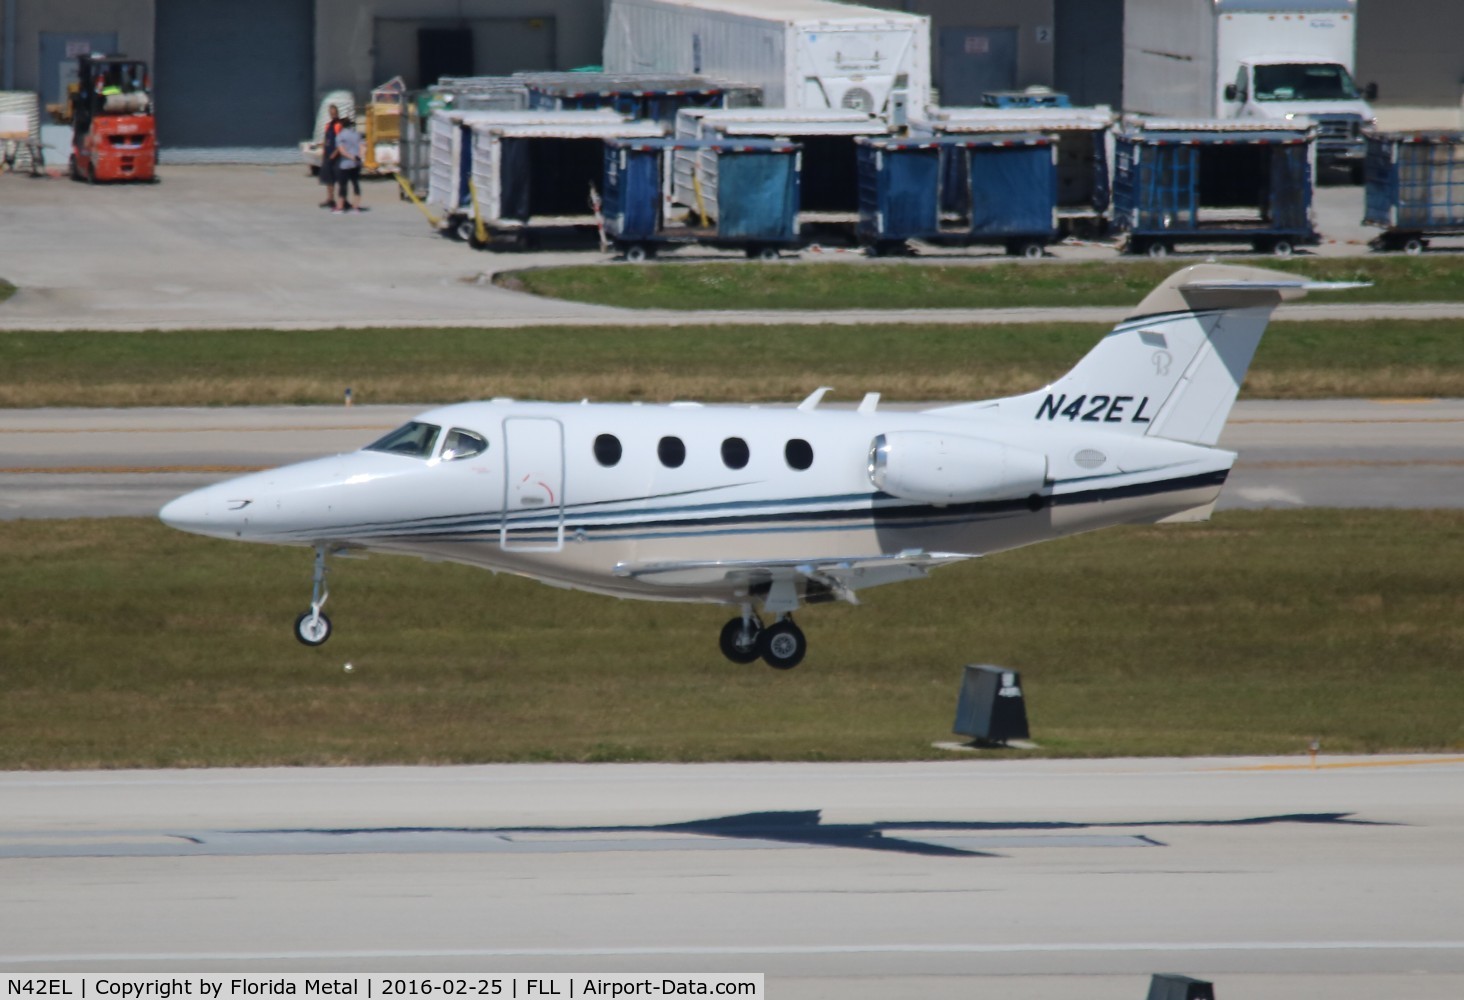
(810, 54)
(1276, 60)
(451, 156)
(540, 173)
(828, 165)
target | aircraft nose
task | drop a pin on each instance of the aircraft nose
(203, 512)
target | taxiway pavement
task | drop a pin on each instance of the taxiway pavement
(1015, 879)
(129, 462)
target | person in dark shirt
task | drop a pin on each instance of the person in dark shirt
(328, 156)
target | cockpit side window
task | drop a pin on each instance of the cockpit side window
(414, 439)
(462, 444)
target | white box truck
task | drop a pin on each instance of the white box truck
(806, 54)
(1270, 59)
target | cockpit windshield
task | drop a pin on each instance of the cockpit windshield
(1304, 82)
(416, 440)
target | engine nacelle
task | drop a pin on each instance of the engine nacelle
(951, 468)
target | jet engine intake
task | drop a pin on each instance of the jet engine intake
(941, 468)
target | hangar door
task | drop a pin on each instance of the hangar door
(423, 50)
(234, 72)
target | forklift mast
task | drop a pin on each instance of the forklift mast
(109, 85)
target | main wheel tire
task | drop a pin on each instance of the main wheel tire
(1283, 248)
(1157, 249)
(312, 629)
(1413, 245)
(466, 231)
(636, 254)
(782, 646)
(734, 646)
(75, 170)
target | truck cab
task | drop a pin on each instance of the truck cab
(1318, 89)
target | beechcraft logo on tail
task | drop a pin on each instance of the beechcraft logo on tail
(1095, 409)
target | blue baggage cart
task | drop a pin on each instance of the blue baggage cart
(1414, 188)
(951, 190)
(749, 203)
(1223, 181)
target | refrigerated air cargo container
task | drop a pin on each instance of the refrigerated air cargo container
(1220, 181)
(810, 54)
(1415, 188)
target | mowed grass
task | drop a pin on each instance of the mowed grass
(126, 644)
(984, 285)
(714, 363)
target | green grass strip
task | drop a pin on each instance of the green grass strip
(714, 363)
(130, 645)
(1000, 284)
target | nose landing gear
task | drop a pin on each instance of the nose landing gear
(312, 628)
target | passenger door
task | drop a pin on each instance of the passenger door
(533, 486)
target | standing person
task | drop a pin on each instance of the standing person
(328, 156)
(348, 146)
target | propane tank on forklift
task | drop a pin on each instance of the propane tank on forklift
(114, 133)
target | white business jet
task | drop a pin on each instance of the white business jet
(768, 509)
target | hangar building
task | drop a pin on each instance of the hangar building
(250, 73)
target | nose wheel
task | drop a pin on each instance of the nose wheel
(312, 628)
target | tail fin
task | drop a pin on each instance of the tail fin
(1173, 368)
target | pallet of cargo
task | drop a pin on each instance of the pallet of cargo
(1414, 188)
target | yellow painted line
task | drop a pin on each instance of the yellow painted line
(1338, 764)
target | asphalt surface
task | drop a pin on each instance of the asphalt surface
(1029, 880)
(233, 246)
(102, 463)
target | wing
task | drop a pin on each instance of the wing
(840, 576)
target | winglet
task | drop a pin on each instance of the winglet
(814, 398)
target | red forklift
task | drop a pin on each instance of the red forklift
(114, 134)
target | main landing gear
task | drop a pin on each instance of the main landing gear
(781, 645)
(313, 628)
